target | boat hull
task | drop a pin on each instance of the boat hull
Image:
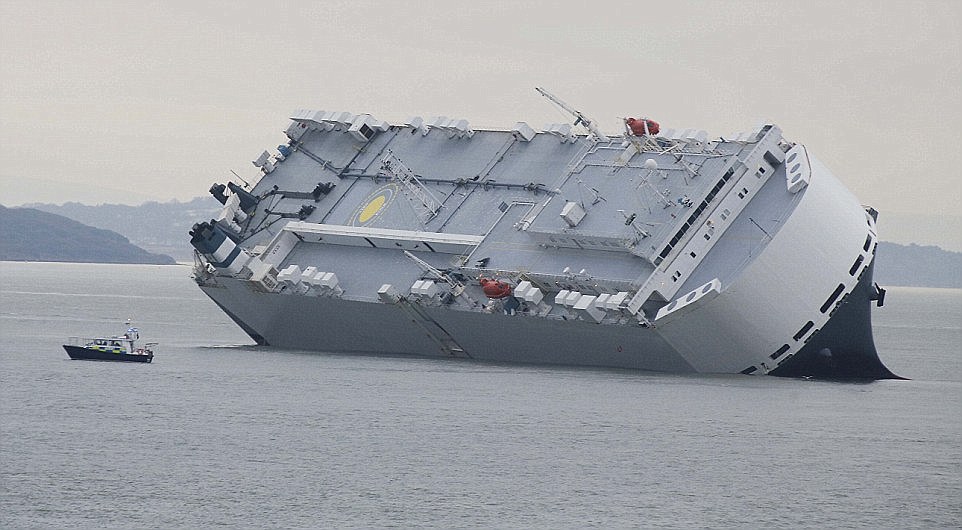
(771, 317)
(756, 259)
(87, 354)
(341, 326)
(844, 347)
(337, 325)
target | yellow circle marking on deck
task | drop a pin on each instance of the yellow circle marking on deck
(373, 206)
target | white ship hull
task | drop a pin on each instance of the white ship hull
(339, 326)
(774, 277)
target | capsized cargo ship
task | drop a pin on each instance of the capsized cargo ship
(661, 249)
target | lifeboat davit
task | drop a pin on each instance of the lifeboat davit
(495, 288)
(638, 126)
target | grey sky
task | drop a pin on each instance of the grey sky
(134, 101)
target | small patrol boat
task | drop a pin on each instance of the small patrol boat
(115, 348)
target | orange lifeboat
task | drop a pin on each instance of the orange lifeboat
(638, 126)
(495, 288)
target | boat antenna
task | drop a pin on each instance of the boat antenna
(246, 184)
(580, 119)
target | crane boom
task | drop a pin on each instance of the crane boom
(580, 119)
(457, 288)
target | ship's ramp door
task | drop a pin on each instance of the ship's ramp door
(434, 330)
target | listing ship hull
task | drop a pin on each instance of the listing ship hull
(315, 324)
(844, 348)
(669, 253)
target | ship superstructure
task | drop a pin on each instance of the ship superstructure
(658, 249)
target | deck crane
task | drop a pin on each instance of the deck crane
(457, 287)
(580, 119)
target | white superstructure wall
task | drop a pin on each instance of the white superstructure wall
(770, 304)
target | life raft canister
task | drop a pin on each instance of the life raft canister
(638, 126)
(494, 288)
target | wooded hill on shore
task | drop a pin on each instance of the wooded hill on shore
(27, 234)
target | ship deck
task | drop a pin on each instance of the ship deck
(604, 213)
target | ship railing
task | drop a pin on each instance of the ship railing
(573, 164)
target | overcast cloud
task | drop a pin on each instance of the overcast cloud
(135, 101)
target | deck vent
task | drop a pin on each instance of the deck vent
(561, 130)
(296, 130)
(523, 132)
(586, 308)
(454, 127)
(572, 213)
(388, 294)
(436, 122)
(417, 124)
(342, 119)
(425, 289)
(290, 278)
(361, 131)
(528, 292)
(364, 127)
(459, 128)
(264, 162)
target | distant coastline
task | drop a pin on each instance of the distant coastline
(27, 234)
(917, 266)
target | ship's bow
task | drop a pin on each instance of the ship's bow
(844, 348)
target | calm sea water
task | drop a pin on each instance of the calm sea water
(218, 432)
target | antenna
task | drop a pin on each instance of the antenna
(630, 221)
(645, 183)
(246, 184)
(595, 194)
(580, 119)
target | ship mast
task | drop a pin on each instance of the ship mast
(426, 205)
(580, 119)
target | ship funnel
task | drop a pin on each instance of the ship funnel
(217, 190)
(214, 243)
(247, 201)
